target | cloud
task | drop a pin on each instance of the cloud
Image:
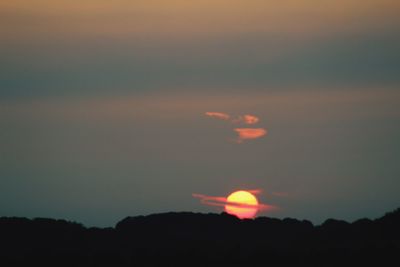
(211, 200)
(255, 191)
(218, 115)
(243, 133)
(222, 201)
(250, 119)
(249, 133)
(247, 119)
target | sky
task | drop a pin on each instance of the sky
(105, 107)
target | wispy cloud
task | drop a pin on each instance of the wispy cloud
(244, 119)
(243, 133)
(247, 119)
(249, 133)
(222, 202)
(218, 115)
(255, 191)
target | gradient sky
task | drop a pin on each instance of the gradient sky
(102, 106)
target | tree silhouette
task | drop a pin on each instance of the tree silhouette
(200, 239)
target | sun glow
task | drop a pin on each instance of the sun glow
(242, 204)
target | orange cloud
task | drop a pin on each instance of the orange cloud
(243, 133)
(254, 191)
(211, 200)
(250, 133)
(222, 201)
(247, 119)
(250, 119)
(218, 115)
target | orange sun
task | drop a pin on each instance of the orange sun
(243, 204)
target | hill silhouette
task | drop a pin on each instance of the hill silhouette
(198, 239)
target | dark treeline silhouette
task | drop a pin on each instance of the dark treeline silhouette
(201, 239)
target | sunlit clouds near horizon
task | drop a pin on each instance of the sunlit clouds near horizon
(242, 133)
(120, 108)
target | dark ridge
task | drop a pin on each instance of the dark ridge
(188, 238)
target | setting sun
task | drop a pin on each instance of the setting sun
(243, 204)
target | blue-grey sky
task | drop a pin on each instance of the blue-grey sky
(102, 106)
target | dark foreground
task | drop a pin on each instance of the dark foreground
(199, 240)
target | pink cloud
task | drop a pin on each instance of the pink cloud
(249, 133)
(254, 191)
(247, 119)
(243, 133)
(222, 201)
(218, 115)
(250, 119)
